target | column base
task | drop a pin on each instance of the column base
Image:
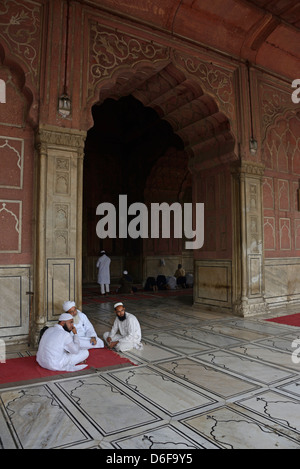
(250, 307)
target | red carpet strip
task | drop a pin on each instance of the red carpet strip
(26, 368)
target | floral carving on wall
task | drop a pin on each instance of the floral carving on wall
(214, 79)
(20, 25)
(110, 49)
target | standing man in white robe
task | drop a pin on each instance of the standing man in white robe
(126, 331)
(85, 330)
(103, 265)
(59, 350)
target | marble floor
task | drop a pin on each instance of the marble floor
(203, 380)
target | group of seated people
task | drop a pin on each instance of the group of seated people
(65, 346)
(179, 280)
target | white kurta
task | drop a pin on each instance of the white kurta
(171, 282)
(60, 350)
(129, 335)
(103, 266)
(85, 330)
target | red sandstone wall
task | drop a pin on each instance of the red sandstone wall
(213, 188)
(281, 188)
(16, 177)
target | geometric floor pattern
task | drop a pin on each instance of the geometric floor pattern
(203, 380)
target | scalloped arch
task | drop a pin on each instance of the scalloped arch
(19, 77)
(180, 100)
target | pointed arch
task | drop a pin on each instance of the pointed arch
(20, 81)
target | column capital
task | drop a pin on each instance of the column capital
(63, 137)
(249, 168)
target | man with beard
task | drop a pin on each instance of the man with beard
(126, 331)
(85, 330)
(59, 350)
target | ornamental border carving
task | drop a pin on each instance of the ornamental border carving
(214, 79)
(20, 28)
(66, 138)
(111, 49)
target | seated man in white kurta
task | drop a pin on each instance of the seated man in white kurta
(126, 331)
(85, 329)
(59, 350)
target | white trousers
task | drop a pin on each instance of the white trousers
(72, 360)
(85, 343)
(104, 287)
(123, 345)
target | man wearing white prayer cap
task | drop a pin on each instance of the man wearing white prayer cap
(126, 283)
(126, 331)
(85, 330)
(59, 350)
(103, 266)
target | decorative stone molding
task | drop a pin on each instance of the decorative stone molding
(247, 308)
(251, 169)
(110, 49)
(52, 136)
(214, 79)
(20, 27)
(274, 102)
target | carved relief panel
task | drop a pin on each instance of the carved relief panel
(281, 154)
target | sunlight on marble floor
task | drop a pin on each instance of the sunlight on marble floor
(203, 380)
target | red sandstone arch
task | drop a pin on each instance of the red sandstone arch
(21, 81)
(193, 114)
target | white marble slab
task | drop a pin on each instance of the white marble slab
(231, 331)
(170, 395)
(163, 438)
(150, 353)
(230, 429)
(245, 367)
(109, 408)
(292, 388)
(266, 354)
(175, 342)
(276, 407)
(38, 421)
(206, 337)
(211, 379)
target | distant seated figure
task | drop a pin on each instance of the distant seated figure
(126, 283)
(161, 282)
(59, 350)
(189, 280)
(180, 276)
(150, 284)
(171, 282)
(85, 330)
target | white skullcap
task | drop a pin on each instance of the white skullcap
(68, 305)
(125, 272)
(118, 304)
(102, 252)
(65, 317)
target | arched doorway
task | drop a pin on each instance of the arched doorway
(174, 133)
(127, 142)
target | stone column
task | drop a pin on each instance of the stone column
(248, 254)
(58, 241)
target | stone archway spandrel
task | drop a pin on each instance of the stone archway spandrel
(111, 50)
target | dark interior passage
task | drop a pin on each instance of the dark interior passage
(128, 140)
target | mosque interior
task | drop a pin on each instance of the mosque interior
(186, 102)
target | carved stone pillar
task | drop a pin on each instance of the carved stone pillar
(248, 254)
(58, 243)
